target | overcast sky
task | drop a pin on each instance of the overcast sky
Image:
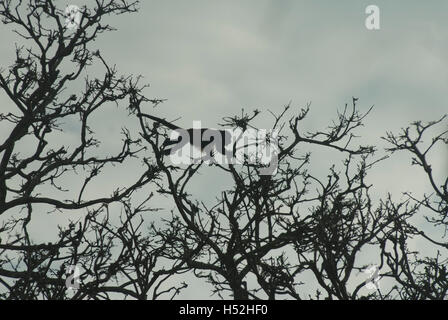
(211, 58)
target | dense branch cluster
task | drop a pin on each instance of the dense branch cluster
(261, 237)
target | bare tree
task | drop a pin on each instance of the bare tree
(422, 275)
(296, 233)
(262, 235)
(48, 86)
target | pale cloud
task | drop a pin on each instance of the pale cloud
(212, 58)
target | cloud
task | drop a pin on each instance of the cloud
(212, 58)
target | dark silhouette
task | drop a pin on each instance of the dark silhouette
(107, 245)
(190, 133)
(260, 237)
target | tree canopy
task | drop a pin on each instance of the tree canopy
(295, 234)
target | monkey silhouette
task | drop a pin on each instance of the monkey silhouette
(209, 138)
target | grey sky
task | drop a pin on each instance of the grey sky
(212, 58)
